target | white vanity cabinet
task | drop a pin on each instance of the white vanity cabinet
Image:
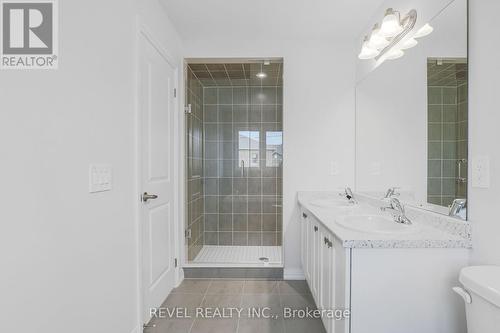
(386, 290)
(325, 263)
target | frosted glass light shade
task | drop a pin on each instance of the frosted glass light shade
(367, 52)
(376, 40)
(390, 25)
(408, 44)
(424, 31)
(394, 54)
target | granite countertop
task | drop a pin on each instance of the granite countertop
(432, 230)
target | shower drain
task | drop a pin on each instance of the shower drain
(264, 259)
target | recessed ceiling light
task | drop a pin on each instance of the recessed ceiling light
(261, 75)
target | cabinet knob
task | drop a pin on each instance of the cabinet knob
(315, 228)
(326, 240)
(304, 215)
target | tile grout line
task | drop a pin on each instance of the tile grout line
(241, 306)
(202, 300)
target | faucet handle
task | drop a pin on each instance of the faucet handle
(348, 193)
(391, 191)
(396, 204)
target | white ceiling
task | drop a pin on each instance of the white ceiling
(270, 19)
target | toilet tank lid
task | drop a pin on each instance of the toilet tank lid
(483, 281)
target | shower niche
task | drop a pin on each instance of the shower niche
(234, 158)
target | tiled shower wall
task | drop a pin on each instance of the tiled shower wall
(447, 143)
(242, 165)
(194, 151)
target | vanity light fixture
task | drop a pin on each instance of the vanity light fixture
(376, 40)
(367, 52)
(424, 31)
(388, 40)
(391, 24)
(261, 75)
(409, 43)
(394, 54)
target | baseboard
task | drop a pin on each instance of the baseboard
(293, 274)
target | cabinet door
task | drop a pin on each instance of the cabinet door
(316, 267)
(303, 244)
(328, 279)
(310, 251)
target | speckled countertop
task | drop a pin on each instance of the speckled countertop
(431, 230)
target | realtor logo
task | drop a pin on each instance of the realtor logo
(29, 34)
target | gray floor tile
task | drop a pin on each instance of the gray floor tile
(259, 301)
(260, 287)
(188, 301)
(297, 301)
(171, 325)
(294, 287)
(254, 325)
(214, 325)
(222, 301)
(304, 325)
(192, 286)
(226, 287)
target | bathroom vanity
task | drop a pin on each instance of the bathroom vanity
(355, 257)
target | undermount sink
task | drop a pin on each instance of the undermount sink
(330, 203)
(375, 224)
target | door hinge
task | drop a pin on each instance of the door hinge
(187, 109)
(175, 92)
(175, 262)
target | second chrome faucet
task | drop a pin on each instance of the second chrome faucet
(400, 215)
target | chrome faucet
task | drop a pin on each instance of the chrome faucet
(349, 195)
(397, 206)
(456, 207)
(391, 192)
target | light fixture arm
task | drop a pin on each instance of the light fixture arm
(408, 23)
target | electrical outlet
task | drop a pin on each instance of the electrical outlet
(100, 177)
(480, 172)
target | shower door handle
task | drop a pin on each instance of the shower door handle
(242, 168)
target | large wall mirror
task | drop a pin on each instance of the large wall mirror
(412, 115)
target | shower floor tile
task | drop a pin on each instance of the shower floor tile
(238, 254)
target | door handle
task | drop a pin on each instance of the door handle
(315, 228)
(146, 196)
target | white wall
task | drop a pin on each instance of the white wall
(484, 133)
(391, 109)
(318, 117)
(69, 257)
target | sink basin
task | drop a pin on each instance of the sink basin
(330, 203)
(375, 224)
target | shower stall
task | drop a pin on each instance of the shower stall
(234, 159)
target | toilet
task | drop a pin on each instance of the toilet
(481, 293)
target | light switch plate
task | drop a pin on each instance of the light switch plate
(480, 172)
(100, 177)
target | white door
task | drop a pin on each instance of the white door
(156, 107)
